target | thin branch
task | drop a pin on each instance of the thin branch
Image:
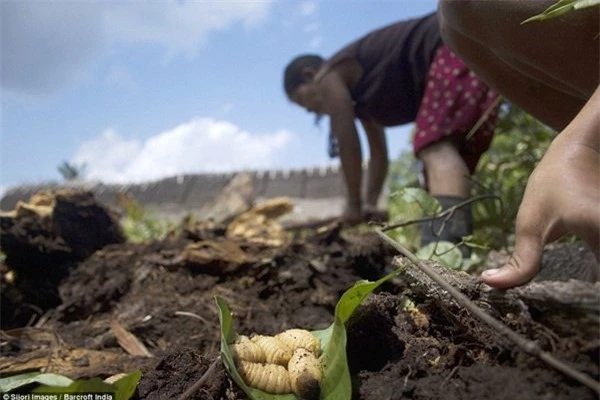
(446, 213)
(200, 382)
(523, 343)
(484, 117)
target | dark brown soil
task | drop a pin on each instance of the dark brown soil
(168, 304)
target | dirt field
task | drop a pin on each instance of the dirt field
(70, 281)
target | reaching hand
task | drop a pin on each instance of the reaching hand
(562, 196)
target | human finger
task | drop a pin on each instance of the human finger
(524, 263)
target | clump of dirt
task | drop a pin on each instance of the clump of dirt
(408, 340)
(43, 241)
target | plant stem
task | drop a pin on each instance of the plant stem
(446, 213)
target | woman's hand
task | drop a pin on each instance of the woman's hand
(562, 196)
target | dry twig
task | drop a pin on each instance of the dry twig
(447, 213)
(129, 341)
(523, 343)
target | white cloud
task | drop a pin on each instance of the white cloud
(201, 145)
(180, 27)
(51, 43)
(107, 156)
(309, 13)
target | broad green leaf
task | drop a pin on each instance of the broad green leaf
(17, 381)
(446, 253)
(125, 387)
(336, 384)
(352, 297)
(54, 383)
(426, 202)
(585, 3)
(409, 204)
(93, 385)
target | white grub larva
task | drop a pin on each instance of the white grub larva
(275, 351)
(269, 378)
(247, 351)
(300, 338)
(241, 339)
(306, 373)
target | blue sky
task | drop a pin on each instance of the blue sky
(138, 91)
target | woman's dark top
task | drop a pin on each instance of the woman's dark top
(395, 60)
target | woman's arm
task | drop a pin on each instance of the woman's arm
(338, 105)
(378, 162)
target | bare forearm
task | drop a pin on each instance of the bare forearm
(351, 158)
(378, 164)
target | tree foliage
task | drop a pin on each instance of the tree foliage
(139, 225)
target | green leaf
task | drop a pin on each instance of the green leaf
(54, 383)
(446, 253)
(93, 385)
(336, 384)
(562, 7)
(125, 387)
(352, 297)
(17, 381)
(429, 204)
(585, 3)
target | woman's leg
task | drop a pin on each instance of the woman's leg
(446, 172)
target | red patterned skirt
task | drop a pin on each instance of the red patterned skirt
(455, 100)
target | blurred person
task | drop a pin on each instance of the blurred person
(395, 75)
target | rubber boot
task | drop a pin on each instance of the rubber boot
(449, 229)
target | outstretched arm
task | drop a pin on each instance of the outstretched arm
(338, 103)
(378, 163)
(562, 196)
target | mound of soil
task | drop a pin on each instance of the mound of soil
(115, 306)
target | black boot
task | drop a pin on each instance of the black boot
(449, 229)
